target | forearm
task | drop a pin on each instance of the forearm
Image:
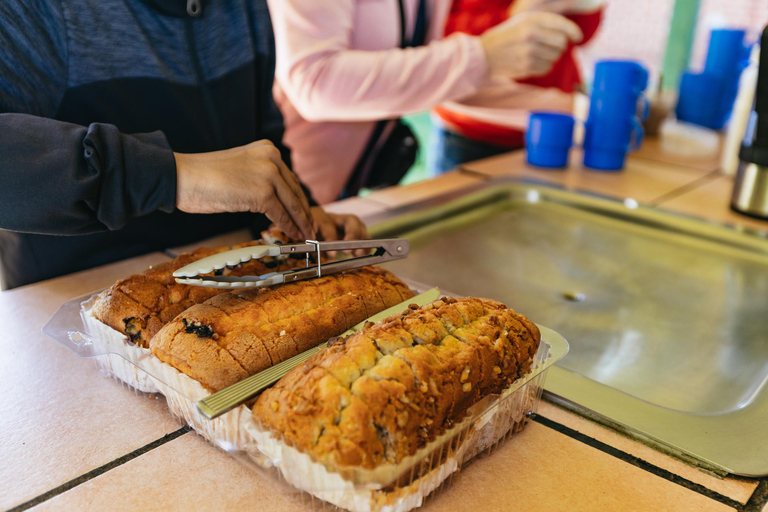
(328, 78)
(354, 85)
(61, 178)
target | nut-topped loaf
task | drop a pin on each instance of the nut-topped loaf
(384, 392)
(139, 305)
(240, 333)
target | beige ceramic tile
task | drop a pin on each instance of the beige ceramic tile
(394, 197)
(642, 180)
(184, 474)
(651, 150)
(712, 200)
(227, 239)
(539, 469)
(736, 488)
(61, 417)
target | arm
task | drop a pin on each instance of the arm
(326, 79)
(57, 177)
(61, 178)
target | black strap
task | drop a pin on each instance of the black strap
(419, 37)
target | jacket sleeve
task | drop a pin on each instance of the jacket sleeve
(61, 178)
(326, 79)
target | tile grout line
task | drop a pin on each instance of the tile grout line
(759, 498)
(637, 462)
(682, 189)
(66, 486)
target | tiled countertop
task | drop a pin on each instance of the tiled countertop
(75, 440)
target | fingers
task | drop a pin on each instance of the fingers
(300, 218)
(552, 39)
(354, 229)
(292, 182)
(555, 22)
(560, 6)
(276, 213)
(324, 224)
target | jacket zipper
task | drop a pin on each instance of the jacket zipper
(213, 118)
(194, 8)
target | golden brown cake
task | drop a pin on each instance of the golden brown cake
(237, 334)
(381, 394)
(140, 305)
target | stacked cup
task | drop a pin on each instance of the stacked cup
(612, 127)
(706, 98)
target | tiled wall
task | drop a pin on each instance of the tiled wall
(638, 29)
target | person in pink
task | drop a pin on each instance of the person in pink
(340, 69)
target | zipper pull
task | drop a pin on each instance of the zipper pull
(194, 8)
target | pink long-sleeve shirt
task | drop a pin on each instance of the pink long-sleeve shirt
(340, 69)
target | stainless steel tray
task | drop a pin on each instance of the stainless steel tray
(667, 316)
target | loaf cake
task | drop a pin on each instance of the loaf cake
(138, 306)
(379, 395)
(240, 333)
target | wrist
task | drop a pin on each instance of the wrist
(183, 185)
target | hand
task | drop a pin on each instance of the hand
(528, 44)
(556, 6)
(251, 178)
(339, 226)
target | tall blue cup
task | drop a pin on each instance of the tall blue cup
(704, 99)
(612, 127)
(607, 141)
(617, 87)
(548, 139)
(726, 53)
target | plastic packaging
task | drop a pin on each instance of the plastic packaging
(391, 488)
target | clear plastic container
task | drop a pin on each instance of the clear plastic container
(389, 488)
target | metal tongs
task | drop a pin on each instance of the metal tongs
(386, 249)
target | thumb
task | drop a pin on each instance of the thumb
(562, 24)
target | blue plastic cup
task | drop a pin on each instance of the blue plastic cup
(548, 139)
(705, 99)
(608, 140)
(727, 53)
(617, 87)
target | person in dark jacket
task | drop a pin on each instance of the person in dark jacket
(121, 121)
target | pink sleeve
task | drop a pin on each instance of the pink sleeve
(327, 80)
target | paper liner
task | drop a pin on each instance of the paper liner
(138, 368)
(413, 479)
(388, 488)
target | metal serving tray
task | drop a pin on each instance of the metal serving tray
(667, 315)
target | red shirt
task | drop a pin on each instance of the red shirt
(475, 17)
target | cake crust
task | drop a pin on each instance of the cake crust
(381, 394)
(237, 334)
(140, 305)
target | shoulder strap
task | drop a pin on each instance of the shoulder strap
(359, 174)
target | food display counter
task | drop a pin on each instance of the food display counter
(74, 439)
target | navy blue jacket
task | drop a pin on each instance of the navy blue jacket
(95, 95)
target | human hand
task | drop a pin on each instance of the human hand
(250, 178)
(528, 44)
(339, 226)
(556, 6)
